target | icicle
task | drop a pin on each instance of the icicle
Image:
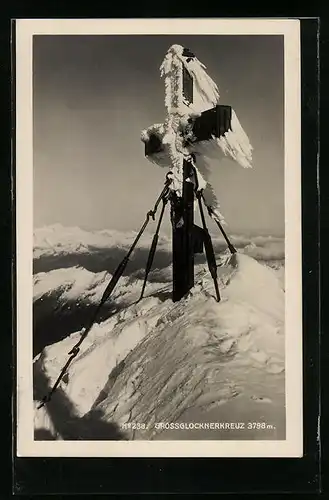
(213, 202)
(206, 92)
(236, 143)
(205, 86)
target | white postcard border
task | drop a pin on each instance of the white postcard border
(293, 445)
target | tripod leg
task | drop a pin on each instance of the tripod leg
(209, 249)
(109, 289)
(229, 244)
(121, 267)
(153, 248)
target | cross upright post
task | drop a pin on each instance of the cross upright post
(182, 217)
(182, 210)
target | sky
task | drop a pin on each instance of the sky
(92, 96)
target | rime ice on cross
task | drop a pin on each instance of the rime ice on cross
(195, 123)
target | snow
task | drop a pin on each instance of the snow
(235, 143)
(59, 241)
(257, 295)
(205, 95)
(73, 283)
(158, 361)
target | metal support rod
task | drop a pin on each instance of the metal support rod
(109, 289)
(209, 249)
(210, 212)
(153, 247)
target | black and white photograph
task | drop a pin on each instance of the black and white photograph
(158, 235)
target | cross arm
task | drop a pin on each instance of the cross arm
(153, 145)
(214, 122)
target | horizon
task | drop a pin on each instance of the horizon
(167, 233)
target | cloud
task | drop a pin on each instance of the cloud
(59, 241)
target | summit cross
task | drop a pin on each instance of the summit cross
(194, 118)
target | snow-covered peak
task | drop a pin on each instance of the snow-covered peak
(156, 361)
(57, 239)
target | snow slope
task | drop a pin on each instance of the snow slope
(156, 361)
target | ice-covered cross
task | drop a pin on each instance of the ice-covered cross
(196, 128)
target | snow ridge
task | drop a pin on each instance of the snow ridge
(58, 240)
(171, 359)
